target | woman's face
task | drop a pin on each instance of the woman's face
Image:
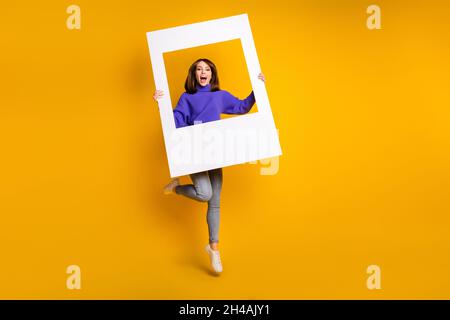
(203, 73)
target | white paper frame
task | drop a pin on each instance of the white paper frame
(259, 124)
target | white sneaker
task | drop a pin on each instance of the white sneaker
(169, 188)
(214, 257)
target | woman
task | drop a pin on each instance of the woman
(204, 101)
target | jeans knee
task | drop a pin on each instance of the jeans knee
(205, 195)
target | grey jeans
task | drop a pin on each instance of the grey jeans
(206, 187)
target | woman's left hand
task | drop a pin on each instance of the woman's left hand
(262, 77)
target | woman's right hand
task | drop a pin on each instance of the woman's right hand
(158, 94)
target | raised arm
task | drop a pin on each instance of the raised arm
(234, 105)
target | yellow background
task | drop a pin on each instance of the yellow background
(363, 118)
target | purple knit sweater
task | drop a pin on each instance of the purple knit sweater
(206, 106)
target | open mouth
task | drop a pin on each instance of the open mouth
(203, 79)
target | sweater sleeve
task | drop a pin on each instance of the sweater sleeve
(233, 105)
(181, 112)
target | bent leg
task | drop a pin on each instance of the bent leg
(200, 190)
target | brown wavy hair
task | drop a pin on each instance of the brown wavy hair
(191, 80)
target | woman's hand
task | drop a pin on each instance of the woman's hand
(158, 94)
(262, 77)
